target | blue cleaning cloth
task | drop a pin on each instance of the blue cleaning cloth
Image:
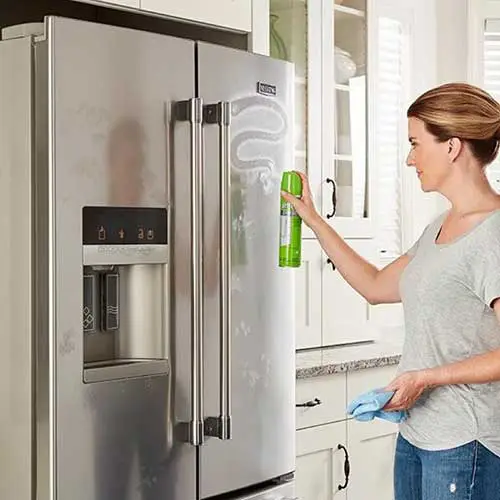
(369, 405)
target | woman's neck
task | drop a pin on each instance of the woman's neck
(469, 191)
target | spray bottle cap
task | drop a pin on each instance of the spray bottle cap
(291, 182)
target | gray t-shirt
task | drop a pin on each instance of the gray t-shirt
(447, 291)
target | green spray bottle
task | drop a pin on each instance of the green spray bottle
(290, 223)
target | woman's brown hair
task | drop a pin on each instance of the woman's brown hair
(463, 111)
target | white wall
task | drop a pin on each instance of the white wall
(452, 46)
(420, 208)
(440, 54)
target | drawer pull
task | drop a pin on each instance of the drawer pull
(309, 404)
(347, 467)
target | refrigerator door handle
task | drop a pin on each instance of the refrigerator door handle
(220, 114)
(192, 111)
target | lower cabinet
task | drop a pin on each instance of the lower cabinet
(340, 458)
(321, 455)
(371, 452)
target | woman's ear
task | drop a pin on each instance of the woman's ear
(454, 148)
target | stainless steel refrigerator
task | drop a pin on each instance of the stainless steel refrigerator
(147, 338)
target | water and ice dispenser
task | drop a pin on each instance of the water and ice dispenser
(125, 292)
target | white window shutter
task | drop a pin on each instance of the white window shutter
(492, 81)
(390, 134)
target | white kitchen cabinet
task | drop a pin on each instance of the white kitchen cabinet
(320, 462)
(351, 139)
(232, 14)
(308, 296)
(328, 311)
(244, 16)
(136, 4)
(371, 448)
(371, 445)
(353, 62)
(367, 446)
(320, 400)
(345, 313)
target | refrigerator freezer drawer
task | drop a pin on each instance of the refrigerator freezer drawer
(282, 492)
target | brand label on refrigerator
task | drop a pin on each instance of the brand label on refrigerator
(266, 89)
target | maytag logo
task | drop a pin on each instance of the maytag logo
(266, 89)
(124, 250)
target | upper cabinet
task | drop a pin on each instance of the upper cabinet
(245, 16)
(353, 71)
(351, 59)
(233, 14)
(347, 190)
(328, 42)
(136, 4)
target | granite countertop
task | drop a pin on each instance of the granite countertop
(384, 351)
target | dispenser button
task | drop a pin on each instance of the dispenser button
(110, 313)
(89, 303)
(101, 234)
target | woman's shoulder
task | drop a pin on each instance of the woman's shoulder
(489, 229)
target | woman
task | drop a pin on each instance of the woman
(449, 283)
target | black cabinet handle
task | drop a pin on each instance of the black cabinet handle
(347, 467)
(334, 197)
(329, 261)
(309, 404)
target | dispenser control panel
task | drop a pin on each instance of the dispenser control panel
(124, 226)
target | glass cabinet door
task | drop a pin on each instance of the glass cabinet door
(327, 40)
(288, 41)
(296, 35)
(346, 199)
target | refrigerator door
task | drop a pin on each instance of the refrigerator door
(16, 335)
(111, 142)
(261, 376)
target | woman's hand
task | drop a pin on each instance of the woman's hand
(304, 206)
(408, 387)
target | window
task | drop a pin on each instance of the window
(393, 78)
(491, 80)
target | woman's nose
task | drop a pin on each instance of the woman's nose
(410, 161)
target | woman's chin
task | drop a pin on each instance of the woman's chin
(426, 188)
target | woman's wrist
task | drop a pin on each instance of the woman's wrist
(317, 223)
(433, 377)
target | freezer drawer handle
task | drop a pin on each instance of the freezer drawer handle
(192, 111)
(220, 114)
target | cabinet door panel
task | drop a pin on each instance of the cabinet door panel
(371, 450)
(371, 444)
(320, 463)
(345, 313)
(308, 296)
(125, 3)
(235, 14)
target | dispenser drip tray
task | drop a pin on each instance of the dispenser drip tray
(99, 371)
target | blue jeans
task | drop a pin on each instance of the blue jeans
(469, 472)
